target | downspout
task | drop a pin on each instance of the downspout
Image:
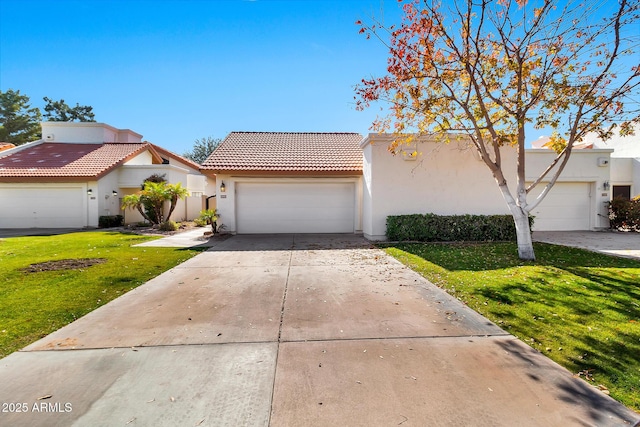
(207, 201)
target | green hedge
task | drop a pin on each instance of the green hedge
(108, 221)
(451, 228)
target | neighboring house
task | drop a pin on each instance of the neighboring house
(625, 163)
(284, 182)
(271, 182)
(450, 179)
(81, 171)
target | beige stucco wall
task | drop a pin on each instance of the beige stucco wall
(449, 179)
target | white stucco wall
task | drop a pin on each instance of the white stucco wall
(434, 182)
(86, 133)
(626, 171)
(144, 158)
(449, 179)
(108, 204)
(623, 146)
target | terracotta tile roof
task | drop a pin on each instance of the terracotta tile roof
(288, 152)
(6, 146)
(68, 160)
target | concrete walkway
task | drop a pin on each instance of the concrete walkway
(607, 242)
(186, 239)
(292, 331)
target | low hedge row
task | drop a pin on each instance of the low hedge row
(108, 221)
(451, 228)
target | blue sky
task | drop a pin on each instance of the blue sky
(176, 71)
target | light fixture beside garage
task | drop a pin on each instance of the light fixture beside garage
(114, 193)
(89, 192)
(223, 188)
(605, 186)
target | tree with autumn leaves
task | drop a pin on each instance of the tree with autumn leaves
(487, 71)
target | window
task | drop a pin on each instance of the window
(623, 191)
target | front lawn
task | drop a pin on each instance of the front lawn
(579, 308)
(37, 300)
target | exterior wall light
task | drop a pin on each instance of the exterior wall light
(223, 188)
(606, 186)
(114, 193)
(89, 192)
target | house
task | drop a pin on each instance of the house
(285, 182)
(282, 182)
(451, 179)
(81, 171)
(625, 163)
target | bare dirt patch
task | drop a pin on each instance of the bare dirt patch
(64, 264)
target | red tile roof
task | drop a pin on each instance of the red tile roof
(287, 152)
(6, 146)
(69, 161)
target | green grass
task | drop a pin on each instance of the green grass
(579, 308)
(33, 305)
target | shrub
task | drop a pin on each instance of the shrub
(169, 226)
(108, 221)
(210, 216)
(199, 222)
(624, 214)
(451, 228)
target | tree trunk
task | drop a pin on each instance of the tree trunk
(144, 215)
(521, 220)
(174, 202)
(523, 234)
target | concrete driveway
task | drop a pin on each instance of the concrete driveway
(292, 330)
(607, 242)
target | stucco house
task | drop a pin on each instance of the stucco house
(78, 172)
(285, 182)
(625, 163)
(450, 179)
(279, 182)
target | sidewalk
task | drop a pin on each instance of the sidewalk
(607, 242)
(291, 330)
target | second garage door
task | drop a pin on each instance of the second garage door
(566, 207)
(47, 207)
(295, 207)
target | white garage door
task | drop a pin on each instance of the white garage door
(566, 207)
(46, 207)
(295, 207)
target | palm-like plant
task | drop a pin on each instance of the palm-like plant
(154, 196)
(175, 192)
(134, 201)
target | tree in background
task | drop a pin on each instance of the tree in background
(19, 122)
(59, 111)
(202, 148)
(485, 70)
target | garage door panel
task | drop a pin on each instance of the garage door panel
(295, 207)
(566, 207)
(42, 207)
